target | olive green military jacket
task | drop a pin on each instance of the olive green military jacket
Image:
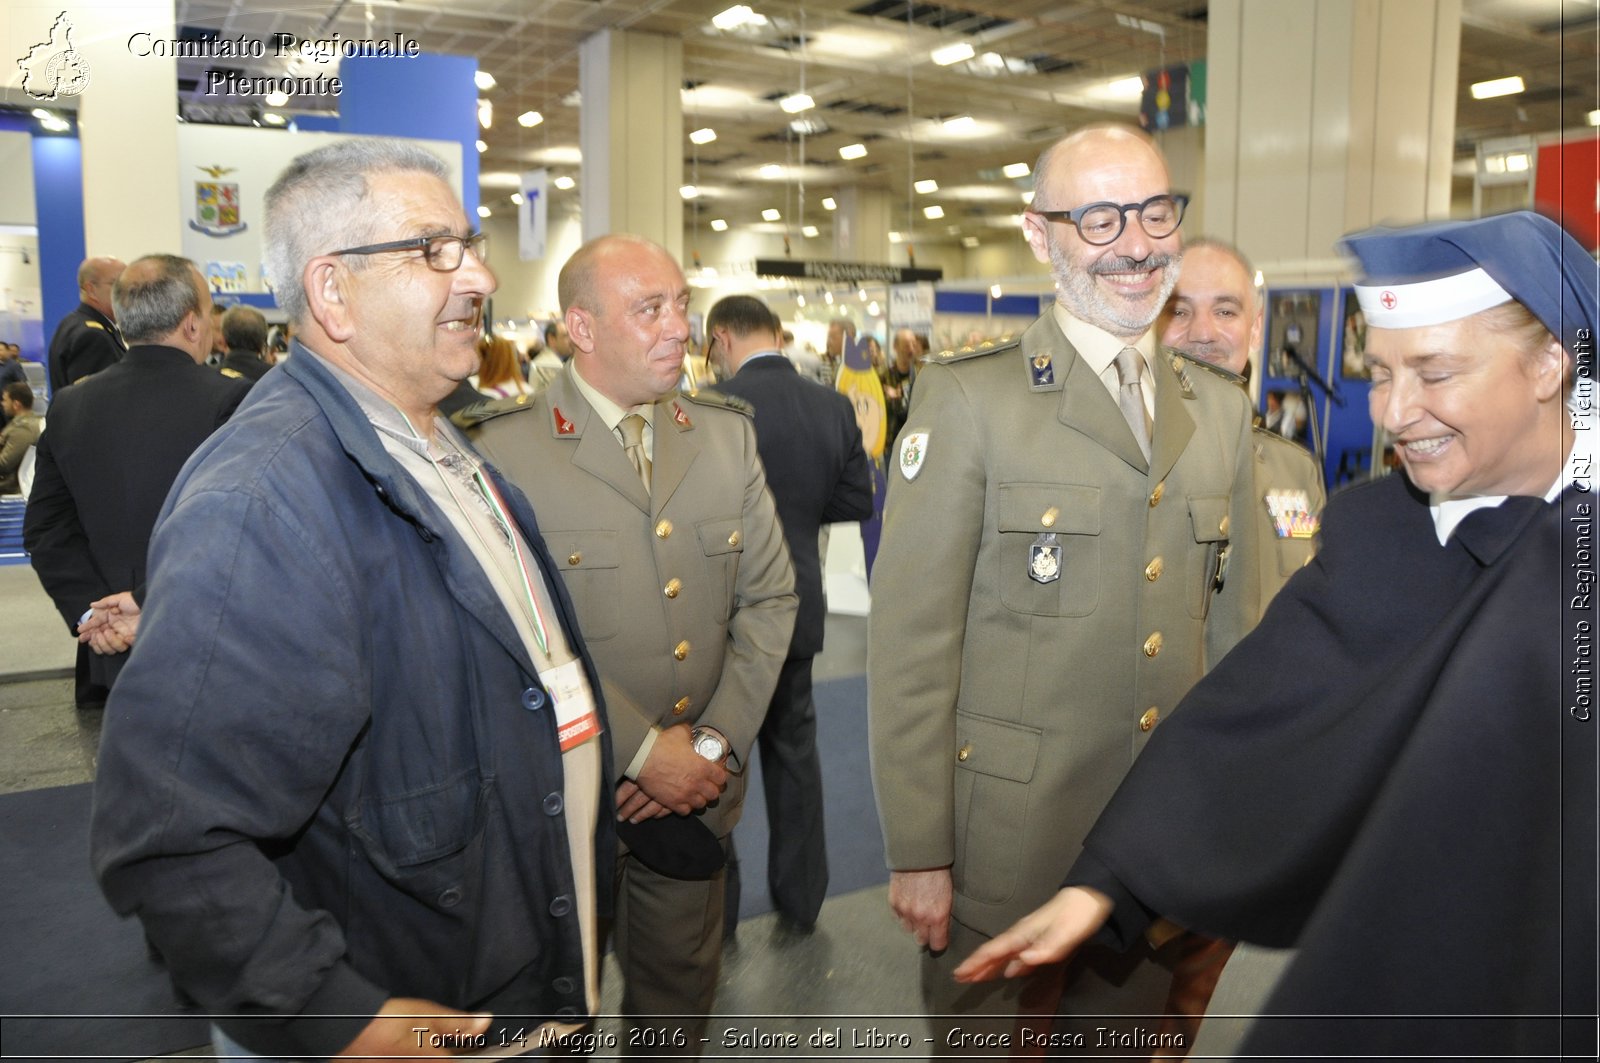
(685, 596)
(1289, 497)
(1040, 600)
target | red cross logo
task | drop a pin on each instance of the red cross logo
(1388, 300)
(680, 417)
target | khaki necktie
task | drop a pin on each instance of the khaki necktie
(632, 427)
(1130, 396)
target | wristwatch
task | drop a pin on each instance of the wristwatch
(709, 744)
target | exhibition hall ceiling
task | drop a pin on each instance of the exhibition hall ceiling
(1038, 68)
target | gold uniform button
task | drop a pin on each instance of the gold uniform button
(681, 650)
(733, 539)
(672, 588)
(1222, 528)
(1150, 718)
(1152, 571)
(1152, 645)
(1155, 496)
(663, 529)
(964, 752)
(1049, 518)
(574, 557)
(681, 707)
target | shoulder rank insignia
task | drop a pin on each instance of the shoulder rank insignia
(476, 413)
(1043, 372)
(1291, 514)
(95, 324)
(1183, 363)
(913, 452)
(713, 397)
(563, 424)
(1184, 385)
(978, 350)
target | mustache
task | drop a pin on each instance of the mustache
(1124, 264)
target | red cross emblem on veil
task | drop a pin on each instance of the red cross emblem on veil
(1388, 300)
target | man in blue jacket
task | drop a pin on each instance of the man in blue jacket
(351, 778)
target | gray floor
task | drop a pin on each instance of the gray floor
(852, 984)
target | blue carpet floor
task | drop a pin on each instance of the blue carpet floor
(70, 965)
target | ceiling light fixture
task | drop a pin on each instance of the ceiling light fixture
(994, 291)
(1485, 90)
(933, 213)
(960, 125)
(516, 199)
(719, 225)
(797, 103)
(771, 214)
(808, 127)
(688, 192)
(1594, 118)
(564, 182)
(827, 297)
(771, 171)
(737, 17)
(703, 136)
(829, 204)
(484, 212)
(529, 119)
(853, 151)
(482, 147)
(969, 241)
(484, 80)
(953, 53)
(485, 113)
(930, 185)
(809, 231)
(1016, 169)
(273, 119)
(1129, 88)
(276, 98)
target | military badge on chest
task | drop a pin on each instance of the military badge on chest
(1291, 514)
(1044, 558)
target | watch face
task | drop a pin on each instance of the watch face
(708, 746)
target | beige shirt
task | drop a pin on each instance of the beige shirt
(612, 414)
(1099, 349)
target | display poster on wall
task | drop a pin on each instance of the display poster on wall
(230, 277)
(911, 306)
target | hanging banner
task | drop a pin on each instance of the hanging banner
(532, 221)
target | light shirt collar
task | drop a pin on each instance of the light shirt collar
(1099, 349)
(1448, 513)
(385, 416)
(612, 414)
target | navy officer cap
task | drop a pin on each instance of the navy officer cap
(1443, 271)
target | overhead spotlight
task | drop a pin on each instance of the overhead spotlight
(927, 186)
(960, 125)
(808, 127)
(873, 309)
(564, 182)
(959, 52)
(737, 17)
(703, 136)
(719, 225)
(994, 291)
(894, 237)
(484, 212)
(797, 103)
(829, 204)
(771, 171)
(809, 231)
(485, 112)
(41, 114)
(933, 213)
(1517, 162)
(529, 119)
(1128, 88)
(53, 124)
(853, 151)
(1594, 117)
(1026, 197)
(969, 241)
(688, 191)
(800, 301)
(276, 98)
(1485, 90)
(484, 80)
(273, 119)
(861, 294)
(1016, 169)
(827, 297)
(771, 214)
(516, 199)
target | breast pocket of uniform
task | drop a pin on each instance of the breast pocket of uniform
(1049, 548)
(587, 561)
(1208, 557)
(722, 540)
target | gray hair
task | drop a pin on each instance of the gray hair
(317, 205)
(154, 295)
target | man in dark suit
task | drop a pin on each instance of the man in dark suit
(244, 330)
(817, 470)
(111, 451)
(87, 340)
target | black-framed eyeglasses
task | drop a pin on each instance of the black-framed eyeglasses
(1102, 223)
(443, 253)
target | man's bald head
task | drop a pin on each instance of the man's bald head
(95, 278)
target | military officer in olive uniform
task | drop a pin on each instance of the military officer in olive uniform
(1216, 316)
(656, 508)
(87, 341)
(1084, 503)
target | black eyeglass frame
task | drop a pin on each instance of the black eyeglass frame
(477, 243)
(1180, 199)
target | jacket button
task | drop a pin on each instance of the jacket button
(1155, 496)
(553, 805)
(681, 707)
(533, 699)
(733, 538)
(563, 984)
(1049, 517)
(681, 650)
(450, 897)
(1149, 719)
(1222, 528)
(674, 585)
(561, 906)
(1152, 645)
(664, 529)
(1152, 571)
(964, 752)
(574, 557)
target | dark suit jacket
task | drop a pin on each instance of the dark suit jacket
(816, 467)
(85, 342)
(243, 365)
(111, 449)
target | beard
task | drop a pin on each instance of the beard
(1077, 291)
